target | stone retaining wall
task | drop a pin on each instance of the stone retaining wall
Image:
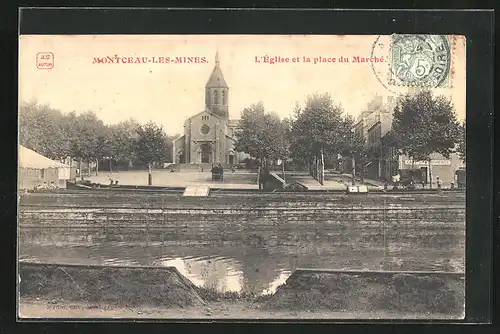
(263, 220)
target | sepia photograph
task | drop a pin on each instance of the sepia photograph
(242, 176)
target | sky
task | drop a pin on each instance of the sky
(168, 94)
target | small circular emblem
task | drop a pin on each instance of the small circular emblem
(205, 129)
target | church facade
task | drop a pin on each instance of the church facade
(209, 136)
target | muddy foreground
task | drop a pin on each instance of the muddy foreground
(36, 309)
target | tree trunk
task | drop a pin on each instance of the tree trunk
(363, 162)
(353, 170)
(412, 168)
(283, 169)
(430, 174)
(96, 167)
(150, 176)
(321, 176)
(80, 169)
(110, 166)
(315, 167)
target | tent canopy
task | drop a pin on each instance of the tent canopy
(30, 159)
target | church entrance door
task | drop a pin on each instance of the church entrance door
(231, 159)
(206, 154)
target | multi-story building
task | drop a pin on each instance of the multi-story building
(372, 125)
(383, 161)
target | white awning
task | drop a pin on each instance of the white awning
(30, 159)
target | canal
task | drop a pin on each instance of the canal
(245, 251)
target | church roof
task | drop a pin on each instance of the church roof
(206, 110)
(216, 78)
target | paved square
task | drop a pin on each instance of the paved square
(183, 178)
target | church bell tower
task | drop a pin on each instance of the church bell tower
(217, 91)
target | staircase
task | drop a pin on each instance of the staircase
(196, 191)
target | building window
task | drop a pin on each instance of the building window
(204, 118)
(216, 97)
(205, 129)
(224, 97)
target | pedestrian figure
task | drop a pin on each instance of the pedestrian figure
(452, 185)
(438, 181)
(423, 184)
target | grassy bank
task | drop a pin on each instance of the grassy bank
(135, 288)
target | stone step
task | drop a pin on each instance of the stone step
(197, 191)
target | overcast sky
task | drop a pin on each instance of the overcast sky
(169, 93)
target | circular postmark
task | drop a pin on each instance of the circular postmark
(422, 61)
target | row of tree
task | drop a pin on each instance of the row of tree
(86, 138)
(321, 130)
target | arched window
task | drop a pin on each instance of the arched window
(216, 97)
(224, 97)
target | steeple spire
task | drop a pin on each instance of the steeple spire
(216, 91)
(216, 79)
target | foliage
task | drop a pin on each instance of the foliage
(121, 141)
(262, 134)
(89, 139)
(84, 136)
(424, 124)
(322, 127)
(44, 130)
(461, 144)
(151, 144)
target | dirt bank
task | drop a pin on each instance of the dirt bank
(418, 292)
(149, 292)
(121, 286)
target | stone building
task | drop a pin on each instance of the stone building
(209, 136)
(383, 161)
(372, 125)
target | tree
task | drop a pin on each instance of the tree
(44, 130)
(319, 128)
(121, 140)
(424, 124)
(353, 146)
(461, 144)
(262, 134)
(88, 142)
(151, 146)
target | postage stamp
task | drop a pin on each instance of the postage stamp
(420, 60)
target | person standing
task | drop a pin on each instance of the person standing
(438, 181)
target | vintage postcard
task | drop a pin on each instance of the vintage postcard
(242, 176)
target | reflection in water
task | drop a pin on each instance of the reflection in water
(257, 269)
(215, 273)
(277, 282)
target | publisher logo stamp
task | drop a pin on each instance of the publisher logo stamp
(45, 60)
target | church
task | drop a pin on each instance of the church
(209, 136)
